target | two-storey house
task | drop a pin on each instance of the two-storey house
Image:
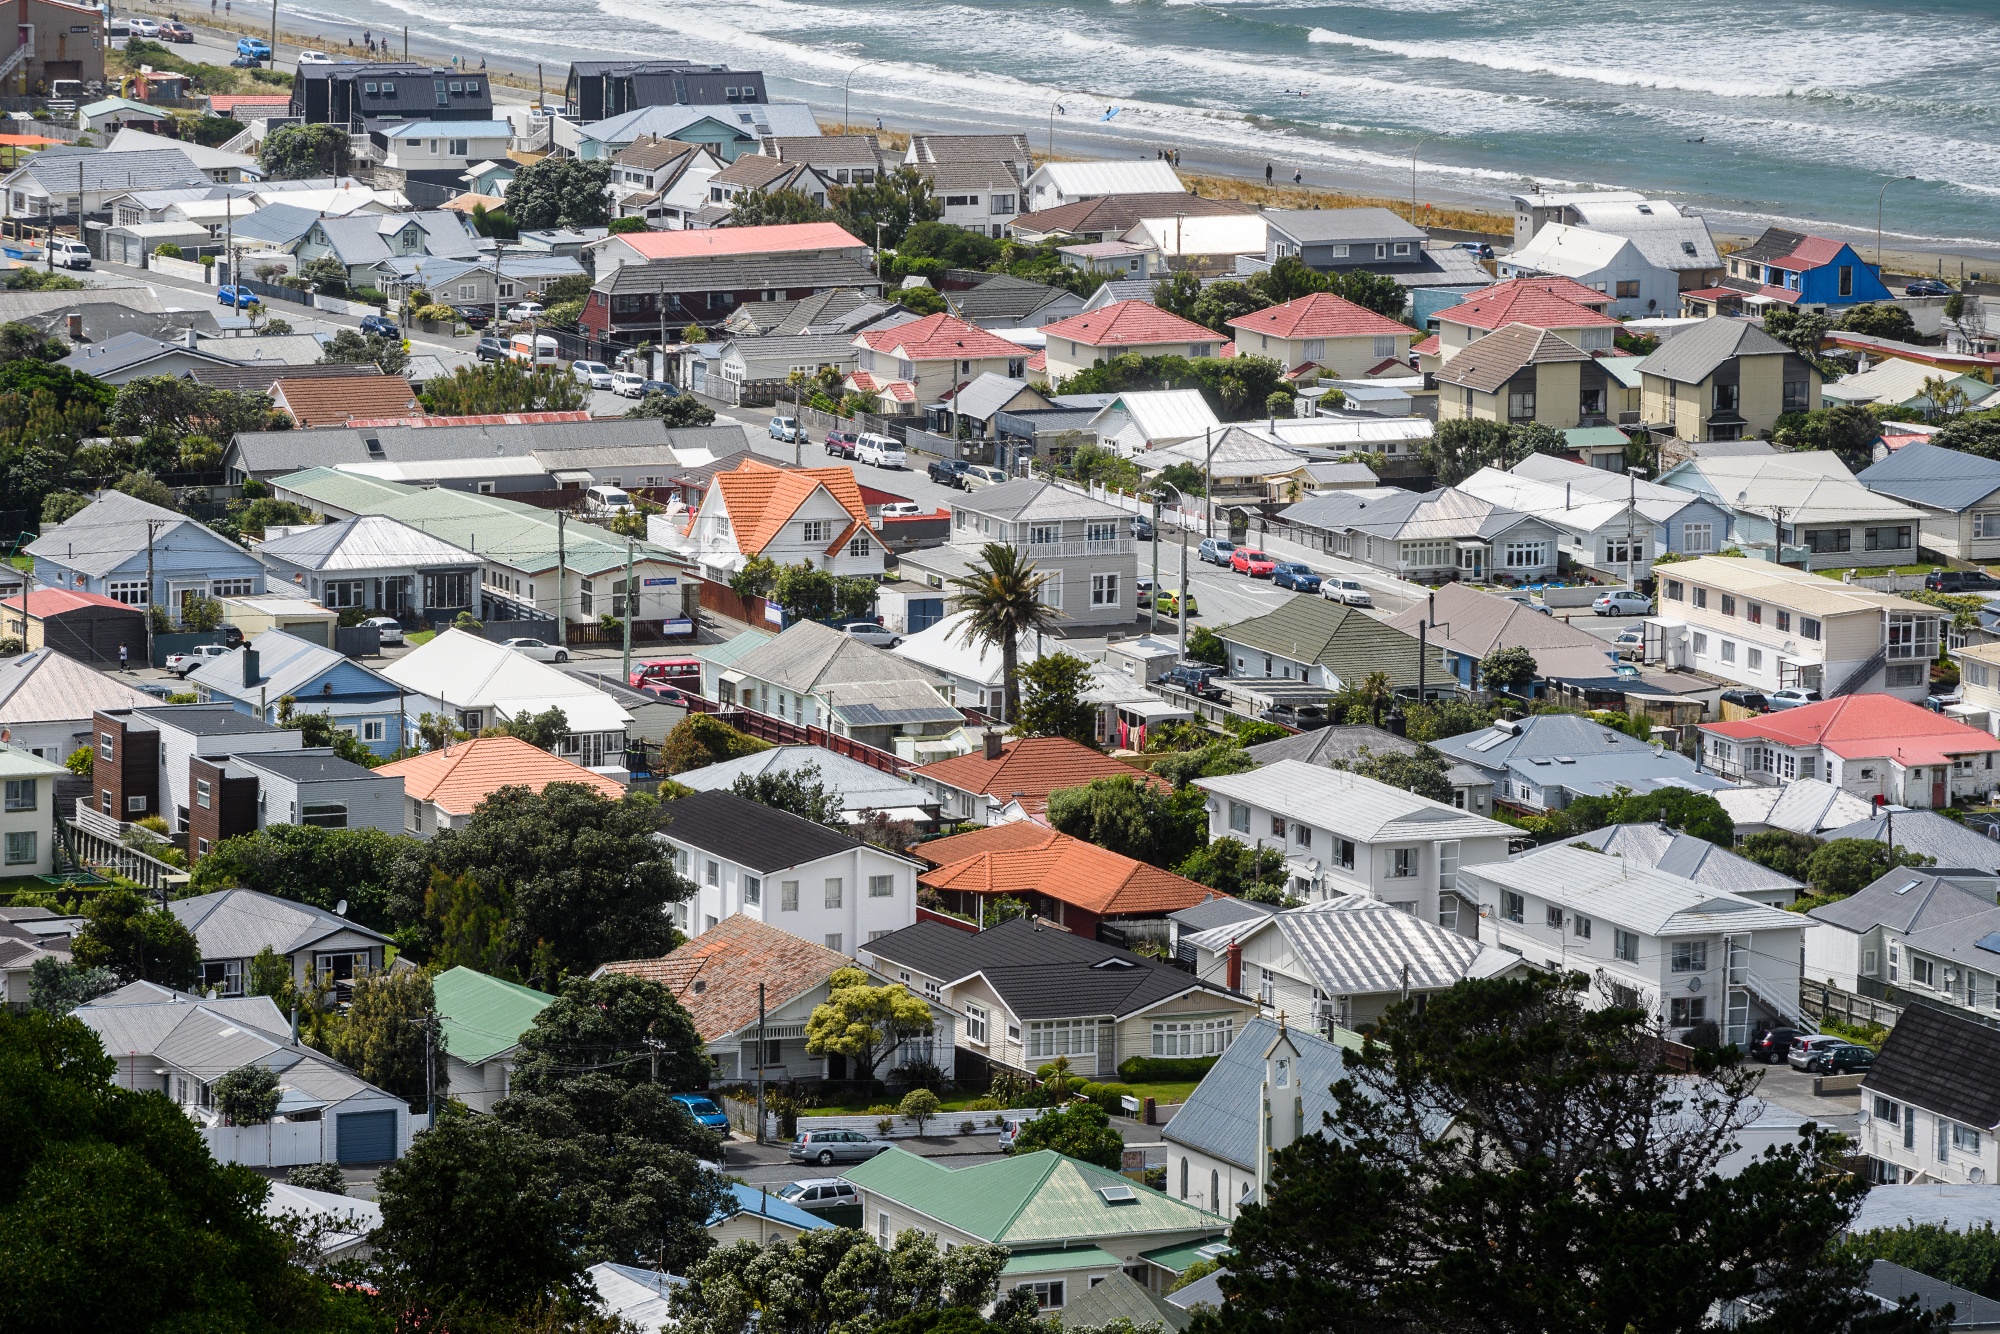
(278, 674)
(476, 683)
(368, 244)
(1311, 641)
(1328, 336)
(1930, 1105)
(482, 1020)
(1804, 508)
(1521, 374)
(1615, 265)
(814, 516)
(981, 197)
(28, 814)
(1335, 240)
(754, 173)
(232, 795)
(1769, 626)
(1342, 834)
(1138, 328)
(1064, 881)
(1916, 929)
(1544, 761)
(814, 676)
(1561, 306)
(1798, 270)
(1872, 745)
(117, 543)
(232, 926)
(1082, 547)
(1724, 379)
(144, 755)
(910, 365)
(1688, 955)
(664, 181)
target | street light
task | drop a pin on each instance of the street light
(1413, 174)
(1180, 603)
(1632, 476)
(844, 87)
(1054, 107)
(1878, 220)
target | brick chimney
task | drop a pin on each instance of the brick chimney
(1234, 977)
(993, 740)
(74, 322)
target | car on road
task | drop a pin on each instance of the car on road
(176, 32)
(628, 384)
(236, 297)
(1793, 697)
(1305, 717)
(788, 430)
(1337, 588)
(1747, 699)
(473, 317)
(1010, 1130)
(1250, 561)
(820, 1195)
(1142, 528)
(256, 48)
(880, 451)
(840, 444)
(1216, 550)
(1927, 287)
(703, 1110)
(1622, 602)
(979, 474)
(593, 373)
(381, 324)
(246, 62)
(1478, 249)
(1632, 639)
(1197, 678)
(872, 634)
(539, 650)
(387, 629)
(1771, 1044)
(490, 349)
(1169, 604)
(144, 28)
(657, 387)
(947, 472)
(827, 1147)
(1851, 1059)
(656, 674)
(1529, 603)
(524, 310)
(180, 664)
(71, 254)
(1144, 587)
(1805, 1044)
(314, 58)
(903, 509)
(1959, 581)
(1295, 575)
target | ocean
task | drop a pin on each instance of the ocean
(1792, 110)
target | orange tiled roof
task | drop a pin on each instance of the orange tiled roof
(332, 402)
(1321, 315)
(1540, 303)
(1028, 858)
(1428, 347)
(939, 337)
(715, 975)
(1129, 323)
(459, 777)
(761, 499)
(1033, 767)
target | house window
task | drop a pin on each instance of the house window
(833, 942)
(1625, 945)
(817, 531)
(1627, 288)
(975, 1024)
(1826, 541)
(1402, 863)
(224, 975)
(325, 814)
(1687, 1011)
(201, 793)
(1048, 1295)
(1103, 590)
(1923, 971)
(131, 592)
(1697, 538)
(1690, 956)
(788, 896)
(1520, 405)
(1343, 853)
(1580, 927)
(1239, 817)
(1590, 402)
(859, 547)
(21, 848)
(1808, 628)
(1729, 650)
(1888, 1112)
(833, 888)
(1552, 916)
(1895, 538)
(1700, 597)
(881, 886)
(1728, 605)
(1753, 659)
(1193, 1037)
(1524, 555)
(371, 729)
(1798, 396)
(1674, 591)
(753, 889)
(1050, 1038)
(1964, 1137)
(713, 874)
(1513, 907)
(104, 745)
(21, 793)
(1303, 835)
(1847, 280)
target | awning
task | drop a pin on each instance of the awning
(1055, 1262)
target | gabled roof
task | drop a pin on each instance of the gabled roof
(1939, 837)
(123, 351)
(1934, 477)
(1029, 768)
(1344, 639)
(466, 670)
(1314, 226)
(1577, 753)
(111, 530)
(1909, 899)
(810, 658)
(1449, 513)
(1357, 946)
(749, 833)
(1129, 324)
(1320, 315)
(940, 337)
(1945, 1063)
(1471, 621)
(777, 239)
(761, 500)
(717, 975)
(1344, 742)
(1116, 1297)
(286, 665)
(1540, 303)
(861, 787)
(1351, 804)
(1494, 360)
(364, 542)
(459, 777)
(1024, 857)
(1111, 215)
(330, 402)
(46, 686)
(236, 923)
(484, 1016)
(1160, 414)
(1569, 251)
(1692, 355)
(1865, 727)
(1220, 1117)
(1804, 806)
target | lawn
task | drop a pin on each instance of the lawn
(416, 637)
(1877, 571)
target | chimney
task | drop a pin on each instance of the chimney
(189, 339)
(74, 321)
(992, 745)
(251, 674)
(1234, 979)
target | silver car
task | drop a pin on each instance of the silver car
(537, 649)
(1808, 1045)
(827, 1147)
(387, 629)
(1349, 591)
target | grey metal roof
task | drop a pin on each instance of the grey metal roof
(889, 704)
(1889, 1282)
(1561, 749)
(1350, 804)
(1612, 889)
(1005, 298)
(286, 665)
(861, 787)
(364, 542)
(1356, 946)
(1448, 513)
(1035, 498)
(363, 238)
(1317, 226)
(111, 530)
(280, 224)
(319, 765)
(55, 170)
(749, 833)
(1222, 910)
(1692, 858)
(1220, 1117)
(1204, 1291)
(1907, 899)
(236, 923)
(1951, 1207)
(1934, 477)
(46, 686)
(987, 395)
(204, 719)
(807, 658)
(1691, 356)
(124, 351)
(293, 451)
(1946, 840)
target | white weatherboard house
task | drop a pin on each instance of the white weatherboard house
(476, 683)
(1930, 1107)
(27, 820)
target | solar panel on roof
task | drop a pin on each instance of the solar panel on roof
(1990, 942)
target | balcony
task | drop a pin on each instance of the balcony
(1117, 546)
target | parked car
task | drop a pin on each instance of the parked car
(176, 32)
(1338, 589)
(947, 472)
(539, 650)
(606, 499)
(827, 1147)
(1805, 1044)
(256, 48)
(180, 664)
(524, 310)
(1295, 575)
(246, 62)
(1927, 287)
(880, 451)
(1250, 561)
(1771, 1044)
(1747, 699)
(657, 387)
(1623, 602)
(979, 474)
(73, 255)
(1479, 249)
(1634, 640)
(1959, 581)
(1144, 586)
(821, 1194)
(314, 58)
(593, 373)
(1305, 717)
(872, 634)
(387, 629)
(1848, 1060)
(1215, 550)
(840, 444)
(628, 384)
(474, 317)
(1197, 678)
(1529, 603)
(1142, 528)
(1793, 697)
(1010, 1130)
(381, 324)
(143, 28)
(661, 675)
(490, 349)
(903, 509)
(703, 1110)
(1169, 602)
(788, 430)
(236, 297)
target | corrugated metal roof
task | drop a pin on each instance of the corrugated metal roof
(47, 686)
(286, 665)
(1350, 804)
(236, 923)
(807, 658)
(1219, 1118)
(484, 1016)
(364, 542)
(861, 787)
(1937, 478)
(1684, 855)
(468, 671)
(1614, 890)
(109, 531)
(1355, 946)
(1344, 639)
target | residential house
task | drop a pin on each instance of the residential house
(1012, 780)
(910, 365)
(1064, 1222)
(1792, 269)
(1130, 260)
(1117, 1297)
(941, 149)
(1220, 910)
(1696, 859)
(1337, 239)
(477, 683)
(505, 276)
(365, 243)
(1803, 506)
(241, 793)
(1240, 466)
(1327, 335)
(376, 564)
(1519, 375)
(46, 184)
(275, 667)
(974, 676)
(1947, 842)
(1081, 547)
(116, 543)
(1893, 382)
(727, 132)
(1338, 746)
(1603, 261)
(1612, 537)
(1666, 236)
(1144, 419)
(301, 618)
(1030, 992)
(437, 151)
(784, 871)
(1930, 1111)
(335, 402)
(365, 96)
(1342, 963)
(1876, 937)
(981, 197)
(1056, 183)
(1725, 379)
(861, 789)
(756, 173)
(1210, 245)
(482, 1020)
(1434, 537)
(648, 279)
(803, 240)
(1064, 881)
(269, 455)
(1869, 744)
(442, 788)
(1319, 643)
(180, 1045)
(1646, 938)
(1342, 834)
(144, 755)
(47, 699)
(600, 88)
(20, 951)
(122, 358)
(749, 370)
(1561, 306)
(1768, 626)
(1809, 806)
(1687, 523)
(754, 1214)
(1109, 217)
(1137, 328)
(977, 405)
(79, 628)
(842, 310)
(1465, 624)
(1979, 687)
(1002, 301)
(232, 926)
(744, 981)
(1543, 762)
(1958, 493)
(663, 181)
(28, 817)
(814, 516)
(845, 159)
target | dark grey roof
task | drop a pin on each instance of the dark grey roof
(281, 224)
(1039, 971)
(1934, 477)
(236, 923)
(1689, 857)
(1219, 1118)
(1890, 1282)
(1692, 356)
(205, 719)
(106, 320)
(748, 833)
(1204, 1291)
(258, 377)
(1329, 747)
(736, 273)
(1313, 226)
(1908, 899)
(307, 766)
(1222, 910)
(1946, 840)
(124, 351)
(1004, 297)
(148, 169)
(1942, 1062)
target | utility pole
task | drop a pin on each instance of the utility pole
(760, 1062)
(1153, 603)
(406, 43)
(1631, 511)
(152, 527)
(562, 595)
(631, 596)
(429, 1024)
(654, 1047)
(1208, 482)
(274, 38)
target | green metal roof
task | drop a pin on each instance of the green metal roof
(1344, 639)
(1595, 437)
(1050, 1262)
(729, 650)
(483, 1016)
(1035, 1198)
(330, 487)
(1179, 1257)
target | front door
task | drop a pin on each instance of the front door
(1939, 796)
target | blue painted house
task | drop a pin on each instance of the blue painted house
(103, 549)
(1796, 270)
(276, 665)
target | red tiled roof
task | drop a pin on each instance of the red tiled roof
(940, 337)
(1321, 315)
(1715, 293)
(224, 103)
(1129, 323)
(716, 975)
(1031, 767)
(1540, 303)
(334, 402)
(1865, 727)
(778, 239)
(459, 777)
(1040, 361)
(761, 499)
(55, 601)
(1427, 348)
(1028, 858)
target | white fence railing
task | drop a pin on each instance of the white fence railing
(342, 306)
(273, 1144)
(181, 268)
(944, 1123)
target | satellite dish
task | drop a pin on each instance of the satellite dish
(340, 908)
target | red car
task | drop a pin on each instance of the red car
(842, 444)
(1256, 564)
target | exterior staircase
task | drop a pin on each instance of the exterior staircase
(1863, 674)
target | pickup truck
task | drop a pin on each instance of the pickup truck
(948, 472)
(180, 664)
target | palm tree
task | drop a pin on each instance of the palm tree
(1003, 594)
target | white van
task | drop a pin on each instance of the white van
(69, 254)
(607, 500)
(540, 349)
(881, 450)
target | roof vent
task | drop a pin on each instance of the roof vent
(1116, 963)
(1118, 1194)
(1646, 209)
(699, 986)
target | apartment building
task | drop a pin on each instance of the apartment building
(1724, 379)
(1769, 626)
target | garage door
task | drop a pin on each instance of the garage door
(365, 1137)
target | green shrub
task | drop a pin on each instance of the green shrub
(441, 314)
(167, 250)
(1155, 1069)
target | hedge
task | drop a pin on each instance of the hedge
(1150, 1069)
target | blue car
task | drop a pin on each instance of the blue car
(703, 1109)
(1295, 576)
(254, 47)
(236, 297)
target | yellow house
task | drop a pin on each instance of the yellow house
(923, 361)
(1562, 306)
(1521, 374)
(1326, 333)
(1137, 327)
(1724, 379)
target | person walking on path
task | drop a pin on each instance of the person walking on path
(124, 658)
(1298, 178)
(1267, 173)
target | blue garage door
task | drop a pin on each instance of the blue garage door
(924, 613)
(365, 1137)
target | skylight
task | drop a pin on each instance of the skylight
(1989, 942)
(1908, 886)
(1118, 1194)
